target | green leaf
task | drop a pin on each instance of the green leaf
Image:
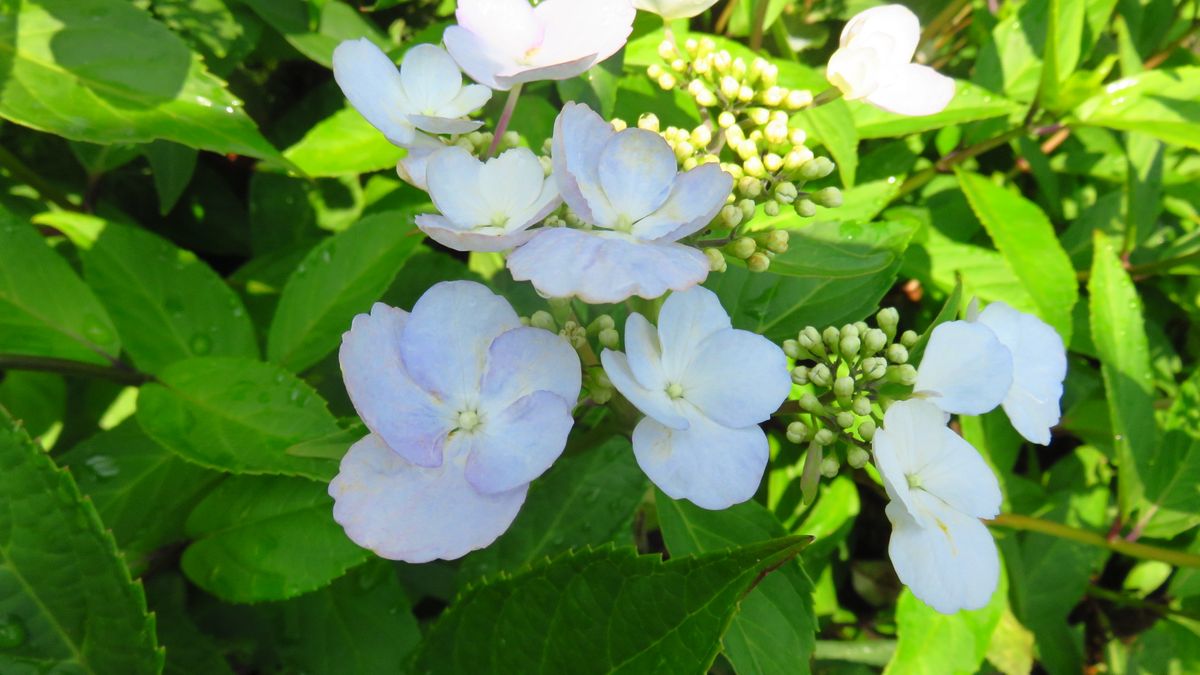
(236, 415)
(1162, 103)
(949, 312)
(38, 401)
(1119, 333)
(941, 262)
(45, 310)
(1172, 477)
(1026, 239)
(831, 274)
(189, 651)
(1011, 61)
(223, 32)
(1064, 37)
(343, 144)
(971, 103)
(121, 76)
(338, 21)
(167, 304)
(584, 500)
(267, 538)
(143, 491)
(832, 126)
(936, 643)
(68, 602)
(775, 629)
(339, 278)
(172, 165)
(609, 610)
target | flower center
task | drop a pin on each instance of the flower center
(528, 57)
(468, 420)
(675, 391)
(624, 224)
(914, 481)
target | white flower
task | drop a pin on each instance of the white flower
(412, 167)
(874, 63)
(627, 185)
(704, 387)
(940, 487)
(674, 9)
(1039, 368)
(503, 43)
(966, 369)
(486, 206)
(426, 93)
(465, 408)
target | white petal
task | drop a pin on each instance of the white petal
(892, 450)
(598, 28)
(412, 168)
(579, 137)
(372, 83)
(408, 419)
(855, 71)
(519, 443)
(895, 22)
(520, 74)
(684, 321)
(1039, 368)
(653, 402)
(547, 201)
(712, 466)
(637, 170)
(431, 78)
(696, 198)
(674, 9)
(965, 368)
(507, 27)
(443, 125)
(453, 177)
(472, 56)
(950, 565)
(737, 378)
(487, 240)
(525, 360)
(469, 99)
(644, 352)
(914, 91)
(404, 512)
(601, 267)
(446, 341)
(511, 182)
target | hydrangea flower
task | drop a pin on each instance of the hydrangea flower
(674, 9)
(627, 186)
(504, 43)
(486, 206)
(426, 93)
(939, 488)
(465, 408)
(704, 387)
(966, 369)
(874, 63)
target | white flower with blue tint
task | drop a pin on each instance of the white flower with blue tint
(425, 94)
(704, 387)
(504, 43)
(674, 9)
(486, 206)
(939, 487)
(874, 63)
(966, 369)
(628, 187)
(465, 408)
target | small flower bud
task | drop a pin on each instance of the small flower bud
(703, 96)
(729, 87)
(877, 369)
(702, 66)
(829, 197)
(684, 150)
(600, 323)
(654, 71)
(820, 375)
(667, 51)
(739, 68)
(747, 206)
(771, 208)
(679, 65)
(856, 457)
(805, 208)
(791, 348)
(850, 329)
(770, 75)
(809, 403)
(845, 419)
(810, 339)
(843, 387)
(829, 467)
(754, 167)
(832, 336)
(873, 341)
(849, 346)
(797, 158)
(721, 60)
(800, 375)
(797, 136)
(897, 354)
(797, 432)
(817, 167)
(609, 338)
(905, 374)
(741, 248)
(888, 319)
(690, 163)
(716, 261)
(667, 82)
(776, 132)
(862, 406)
(757, 66)
(691, 46)
(701, 136)
(726, 120)
(731, 215)
(759, 262)
(747, 149)
(772, 162)
(908, 338)
(649, 122)
(745, 94)
(542, 319)
(760, 116)
(773, 96)
(824, 437)
(798, 98)
(777, 241)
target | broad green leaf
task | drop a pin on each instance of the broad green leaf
(143, 491)
(1162, 103)
(831, 274)
(610, 611)
(45, 310)
(584, 500)
(1118, 331)
(1172, 477)
(338, 21)
(267, 538)
(189, 651)
(342, 144)
(1064, 37)
(1026, 239)
(67, 600)
(944, 644)
(166, 303)
(971, 103)
(172, 165)
(341, 277)
(1011, 61)
(1171, 646)
(1144, 188)
(222, 31)
(236, 415)
(941, 262)
(1010, 649)
(775, 629)
(37, 400)
(832, 126)
(949, 312)
(104, 71)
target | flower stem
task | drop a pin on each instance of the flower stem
(760, 18)
(1129, 548)
(119, 372)
(828, 96)
(505, 117)
(919, 179)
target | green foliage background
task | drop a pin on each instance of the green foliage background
(190, 215)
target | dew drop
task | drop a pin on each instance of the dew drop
(103, 466)
(201, 344)
(174, 306)
(95, 330)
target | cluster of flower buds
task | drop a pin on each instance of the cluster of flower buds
(478, 142)
(757, 249)
(598, 335)
(842, 371)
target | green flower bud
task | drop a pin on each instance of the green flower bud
(654, 71)
(772, 162)
(849, 346)
(759, 262)
(797, 158)
(690, 163)
(817, 167)
(845, 419)
(798, 98)
(829, 467)
(856, 457)
(679, 65)
(748, 207)
(877, 369)
(810, 339)
(754, 167)
(791, 348)
(786, 193)
(692, 47)
(770, 75)
(649, 122)
(805, 208)
(542, 319)
(867, 430)
(749, 186)
(829, 197)
(873, 341)
(739, 68)
(667, 51)
(810, 477)
(741, 248)
(729, 87)
(843, 387)
(888, 319)
(609, 338)
(716, 260)
(684, 150)
(777, 241)
(726, 120)
(760, 116)
(600, 323)
(850, 329)
(820, 375)
(897, 354)
(701, 136)
(773, 96)
(771, 208)
(797, 432)
(861, 326)
(824, 437)
(746, 149)
(731, 215)
(905, 374)
(809, 403)
(832, 336)
(667, 82)
(776, 132)
(722, 60)
(800, 375)
(702, 66)
(862, 406)
(734, 136)
(797, 136)
(908, 338)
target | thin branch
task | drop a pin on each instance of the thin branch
(119, 372)
(1117, 545)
